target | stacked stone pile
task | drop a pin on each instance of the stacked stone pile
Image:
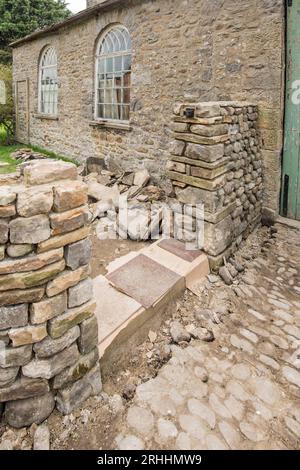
(48, 332)
(107, 191)
(27, 154)
(216, 160)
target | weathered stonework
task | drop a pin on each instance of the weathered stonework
(228, 50)
(227, 177)
(40, 333)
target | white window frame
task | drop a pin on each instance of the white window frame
(54, 111)
(98, 56)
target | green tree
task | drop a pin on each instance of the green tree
(6, 101)
(21, 17)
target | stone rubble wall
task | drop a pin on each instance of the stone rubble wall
(48, 331)
(216, 160)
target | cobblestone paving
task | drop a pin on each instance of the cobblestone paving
(241, 391)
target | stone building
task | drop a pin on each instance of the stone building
(104, 82)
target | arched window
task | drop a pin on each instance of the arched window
(113, 74)
(48, 85)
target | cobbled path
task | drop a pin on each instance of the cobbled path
(241, 391)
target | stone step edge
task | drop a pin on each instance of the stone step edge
(105, 343)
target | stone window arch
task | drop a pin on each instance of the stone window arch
(113, 74)
(48, 82)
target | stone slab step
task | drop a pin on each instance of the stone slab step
(138, 288)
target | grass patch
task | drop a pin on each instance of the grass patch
(9, 165)
(53, 155)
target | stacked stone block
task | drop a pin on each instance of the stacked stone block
(216, 160)
(48, 331)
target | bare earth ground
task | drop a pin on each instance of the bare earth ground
(105, 251)
(240, 391)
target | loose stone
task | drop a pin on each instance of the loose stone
(179, 333)
(41, 438)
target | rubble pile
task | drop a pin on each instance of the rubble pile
(143, 200)
(26, 155)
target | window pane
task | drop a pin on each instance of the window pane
(121, 39)
(101, 67)
(125, 113)
(118, 64)
(109, 111)
(118, 81)
(127, 62)
(127, 80)
(108, 96)
(100, 96)
(126, 95)
(115, 41)
(100, 110)
(109, 65)
(118, 96)
(110, 43)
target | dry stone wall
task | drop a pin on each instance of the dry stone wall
(48, 331)
(216, 160)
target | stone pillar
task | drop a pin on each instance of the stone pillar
(216, 160)
(48, 331)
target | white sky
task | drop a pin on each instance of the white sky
(76, 5)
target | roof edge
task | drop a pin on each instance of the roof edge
(77, 18)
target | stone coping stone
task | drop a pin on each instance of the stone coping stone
(117, 263)
(179, 249)
(144, 280)
(49, 171)
(192, 271)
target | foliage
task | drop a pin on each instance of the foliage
(8, 164)
(7, 108)
(19, 18)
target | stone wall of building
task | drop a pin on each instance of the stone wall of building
(183, 50)
(48, 332)
(92, 3)
(216, 160)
